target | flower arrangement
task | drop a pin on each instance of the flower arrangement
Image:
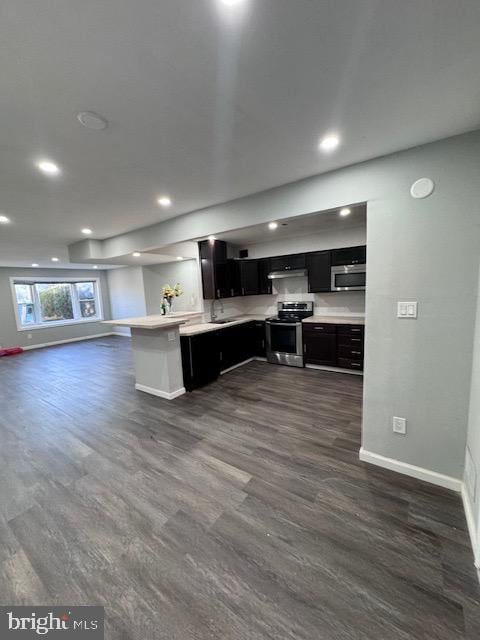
(169, 293)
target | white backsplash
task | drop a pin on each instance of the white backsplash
(292, 290)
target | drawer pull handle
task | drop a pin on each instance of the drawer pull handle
(355, 330)
(355, 364)
(358, 353)
(356, 340)
(319, 328)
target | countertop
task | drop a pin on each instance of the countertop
(156, 321)
(204, 327)
(336, 319)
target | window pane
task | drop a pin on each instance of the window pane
(87, 308)
(86, 298)
(23, 293)
(86, 290)
(26, 313)
(55, 301)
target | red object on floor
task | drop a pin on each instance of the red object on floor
(11, 351)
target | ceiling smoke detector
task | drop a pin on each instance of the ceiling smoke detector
(92, 120)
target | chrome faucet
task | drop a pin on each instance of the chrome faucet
(213, 315)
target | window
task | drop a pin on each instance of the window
(43, 302)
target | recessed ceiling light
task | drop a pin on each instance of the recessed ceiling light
(4, 220)
(95, 266)
(92, 120)
(231, 3)
(87, 231)
(179, 257)
(136, 254)
(329, 143)
(55, 260)
(164, 201)
(211, 238)
(345, 212)
(34, 264)
(48, 167)
(272, 225)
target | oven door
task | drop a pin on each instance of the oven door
(284, 343)
(349, 278)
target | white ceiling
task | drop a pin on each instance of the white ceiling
(208, 103)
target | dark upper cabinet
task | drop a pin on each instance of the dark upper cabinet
(350, 255)
(213, 256)
(200, 359)
(249, 279)
(319, 274)
(234, 279)
(285, 263)
(264, 283)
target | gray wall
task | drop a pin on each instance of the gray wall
(185, 272)
(473, 437)
(10, 336)
(127, 294)
(425, 250)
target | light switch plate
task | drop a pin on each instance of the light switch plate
(407, 310)
(399, 425)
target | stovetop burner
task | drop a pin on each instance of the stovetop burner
(292, 312)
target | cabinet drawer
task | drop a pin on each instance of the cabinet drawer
(354, 341)
(310, 327)
(355, 353)
(348, 363)
(354, 330)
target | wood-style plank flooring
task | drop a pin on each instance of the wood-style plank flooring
(237, 512)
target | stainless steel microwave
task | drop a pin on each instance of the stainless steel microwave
(349, 277)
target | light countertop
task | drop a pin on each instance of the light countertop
(155, 321)
(336, 319)
(204, 327)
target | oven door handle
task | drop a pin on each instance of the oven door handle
(284, 324)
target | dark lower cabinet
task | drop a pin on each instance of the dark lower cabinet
(320, 344)
(200, 359)
(259, 339)
(333, 345)
(236, 345)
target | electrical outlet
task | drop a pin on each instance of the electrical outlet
(399, 425)
(171, 336)
(29, 336)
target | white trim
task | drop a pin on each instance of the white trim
(122, 335)
(159, 393)
(52, 344)
(472, 529)
(59, 323)
(235, 366)
(334, 369)
(410, 470)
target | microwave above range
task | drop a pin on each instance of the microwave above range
(349, 277)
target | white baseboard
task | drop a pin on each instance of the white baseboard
(121, 335)
(410, 470)
(334, 369)
(472, 527)
(52, 344)
(159, 393)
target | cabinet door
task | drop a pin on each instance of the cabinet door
(264, 284)
(259, 339)
(285, 263)
(234, 284)
(249, 277)
(320, 348)
(349, 255)
(200, 359)
(236, 345)
(319, 274)
(213, 254)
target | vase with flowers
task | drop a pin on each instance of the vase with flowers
(169, 293)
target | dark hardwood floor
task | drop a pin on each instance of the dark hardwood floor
(237, 512)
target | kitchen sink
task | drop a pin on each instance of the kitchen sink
(221, 321)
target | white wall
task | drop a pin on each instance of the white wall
(186, 272)
(127, 294)
(10, 336)
(473, 439)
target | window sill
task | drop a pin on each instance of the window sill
(62, 323)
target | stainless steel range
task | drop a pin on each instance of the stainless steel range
(284, 333)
